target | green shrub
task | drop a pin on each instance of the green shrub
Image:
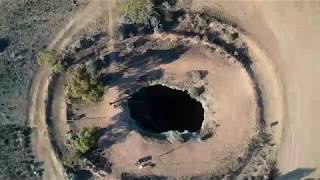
(140, 11)
(87, 139)
(51, 59)
(58, 67)
(81, 87)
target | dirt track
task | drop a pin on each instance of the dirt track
(37, 118)
(98, 14)
(53, 169)
(289, 32)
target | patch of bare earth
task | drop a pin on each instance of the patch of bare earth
(97, 114)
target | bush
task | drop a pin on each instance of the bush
(50, 58)
(87, 139)
(82, 88)
(140, 11)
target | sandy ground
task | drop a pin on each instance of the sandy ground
(288, 31)
(230, 90)
(97, 114)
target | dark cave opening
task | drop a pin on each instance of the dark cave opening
(159, 109)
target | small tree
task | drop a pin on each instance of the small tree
(140, 11)
(81, 87)
(50, 58)
(87, 139)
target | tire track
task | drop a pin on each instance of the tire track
(37, 119)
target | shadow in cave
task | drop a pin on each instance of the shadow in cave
(159, 109)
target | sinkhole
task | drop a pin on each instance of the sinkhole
(159, 109)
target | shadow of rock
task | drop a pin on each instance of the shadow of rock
(116, 132)
(296, 174)
(133, 83)
(130, 176)
(82, 175)
(142, 65)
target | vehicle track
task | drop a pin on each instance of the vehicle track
(53, 168)
(37, 118)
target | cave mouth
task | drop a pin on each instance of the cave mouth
(160, 109)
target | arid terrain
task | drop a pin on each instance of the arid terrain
(260, 99)
(290, 40)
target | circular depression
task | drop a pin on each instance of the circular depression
(229, 101)
(160, 109)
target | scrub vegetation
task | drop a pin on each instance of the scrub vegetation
(51, 59)
(84, 142)
(82, 88)
(140, 11)
(87, 139)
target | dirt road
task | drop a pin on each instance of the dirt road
(289, 33)
(37, 110)
(37, 118)
(97, 15)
